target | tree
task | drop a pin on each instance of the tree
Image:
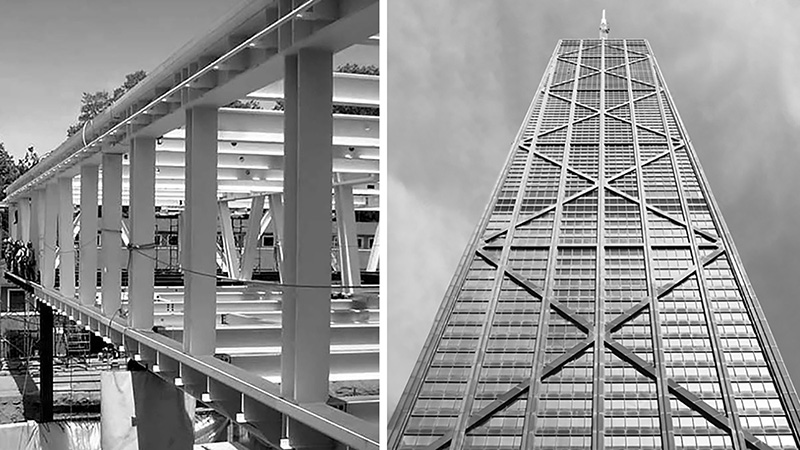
(9, 171)
(359, 69)
(27, 162)
(92, 104)
(249, 104)
(131, 80)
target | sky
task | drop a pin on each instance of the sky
(53, 51)
(462, 73)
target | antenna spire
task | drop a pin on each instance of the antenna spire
(604, 26)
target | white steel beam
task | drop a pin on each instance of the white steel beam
(346, 231)
(142, 224)
(125, 233)
(290, 182)
(111, 248)
(252, 237)
(37, 226)
(13, 213)
(375, 252)
(201, 229)
(49, 242)
(24, 224)
(348, 89)
(229, 251)
(66, 240)
(87, 241)
(310, 217)
(276, 213)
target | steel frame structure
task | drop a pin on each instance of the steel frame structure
(449, 402)
(257, 45)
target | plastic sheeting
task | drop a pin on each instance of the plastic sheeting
(210, 426)
(62, 435)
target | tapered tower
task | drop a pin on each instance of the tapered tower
(601, 303)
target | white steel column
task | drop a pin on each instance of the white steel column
(111, 278)
(251, 238)
(13, 220)
(37, 227)
(66, 240)
(350, 266)
(308, 208)
(87, 239)
(287, 272)
(199, 311)
(142, 231)
(49, 242)
(24, 224)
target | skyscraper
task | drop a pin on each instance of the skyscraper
(601, 302)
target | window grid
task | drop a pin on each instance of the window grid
(663, 231)
(625, 280)
(618, 157)
(574, 283)
(660, 189)
(623, 223)
(579, 220)
(541, 189)
(564, 407)
(648, 113)
(755, 398)
(564, 71)
(535, 232)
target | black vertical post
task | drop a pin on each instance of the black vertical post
(46, 361)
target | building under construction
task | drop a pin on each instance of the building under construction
(201, 272)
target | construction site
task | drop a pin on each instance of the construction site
(198, 266)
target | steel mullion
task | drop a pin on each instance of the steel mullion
(716, 346)
(544, 315)
(664, 413)
(598, 397)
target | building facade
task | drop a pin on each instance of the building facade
(601, 303)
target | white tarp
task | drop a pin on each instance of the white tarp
(66, 435)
